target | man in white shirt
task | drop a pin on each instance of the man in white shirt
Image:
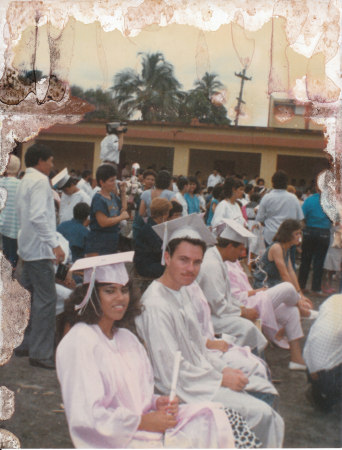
(38, 248)
(214, 178)
(169, 324)
(277, 206)
(112, 144)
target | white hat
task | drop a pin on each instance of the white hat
(191, 226)
(59, 180)
(234, 231)
(104, 269)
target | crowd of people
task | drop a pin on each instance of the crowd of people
(146, 268)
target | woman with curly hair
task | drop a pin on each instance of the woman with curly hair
(107, 379)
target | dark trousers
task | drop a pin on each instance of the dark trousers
(39, 278)
(327, 389)
(314, 248)
(10, 247)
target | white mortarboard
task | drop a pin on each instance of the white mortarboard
(191, 226)
(234, 231)
(104, 269)
(59, 180)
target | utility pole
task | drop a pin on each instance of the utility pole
(239, 98)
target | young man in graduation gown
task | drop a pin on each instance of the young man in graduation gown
(227, 313)
(169, 324)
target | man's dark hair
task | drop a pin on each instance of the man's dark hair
(230, 184)
(86, 173)
(192, 179)
(284, 233)
(174, 243)
(163, 179)
(217, 191)
(81, 211)
(248, 188)
(35, 153)
(260, 180)
(223, 242)
(176, 208)
(104, 172)
(72, 181)
(181, 182)
(148, 172)
(280, 179)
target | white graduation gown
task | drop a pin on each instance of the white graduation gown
(225, 309)
(169, 323)
(107, 384)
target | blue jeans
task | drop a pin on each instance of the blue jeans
(314, 248)
(38, 277)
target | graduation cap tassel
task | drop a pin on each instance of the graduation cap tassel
(85, 301)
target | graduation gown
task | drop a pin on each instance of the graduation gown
(107, 384)
(169, 323)
(225, 309)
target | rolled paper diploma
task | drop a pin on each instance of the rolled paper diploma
(176, 363)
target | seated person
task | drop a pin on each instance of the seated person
(107, 380)
(227, 313)
(169, 323)
(275, 265)
(277, 307)
(148, 245)
(176, 211)
(76, 231)
(323, 355)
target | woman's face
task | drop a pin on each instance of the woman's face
(108, 185)
(114, 300)
(149, 181)
(296, 237)
(238, 193)
(192, 187)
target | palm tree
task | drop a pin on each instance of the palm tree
(198, 102)
(155, 92)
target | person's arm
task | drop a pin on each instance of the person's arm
(105, 221)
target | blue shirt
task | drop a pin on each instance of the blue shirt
(74, 232)
(193, 203)
(109, 207)
(313, 213)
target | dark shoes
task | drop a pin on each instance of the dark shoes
(20, 353)
(43, 364)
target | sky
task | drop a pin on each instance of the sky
(93, 56)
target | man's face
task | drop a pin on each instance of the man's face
(185, 263)
(232, 253)
(149, 181)
(45, 166)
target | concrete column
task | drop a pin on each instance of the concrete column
(181, 159)
(268, 165)
(96, 158)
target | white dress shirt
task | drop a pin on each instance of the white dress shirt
(68, 202)
(85, 186)
(36, 214)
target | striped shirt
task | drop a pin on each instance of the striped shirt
(9, 224)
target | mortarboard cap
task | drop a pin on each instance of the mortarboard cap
(234, 231)
(59, 180)
(191, 226)
(104, 269)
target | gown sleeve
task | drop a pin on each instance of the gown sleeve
(93, 422)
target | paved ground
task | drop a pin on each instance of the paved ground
(39, 419)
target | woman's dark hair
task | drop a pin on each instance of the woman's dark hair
(248, 188)
(148, 172)
(174, 243)
(163, 179)
(181, 182)
(255, 198)
(81, 211)
(217, 191)
(35, 153)
(230, 184)
(71, 182)
(280, 179)
(104, 172)
(92, 312)
(176, 208)
(192, 179)
(284, 233)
